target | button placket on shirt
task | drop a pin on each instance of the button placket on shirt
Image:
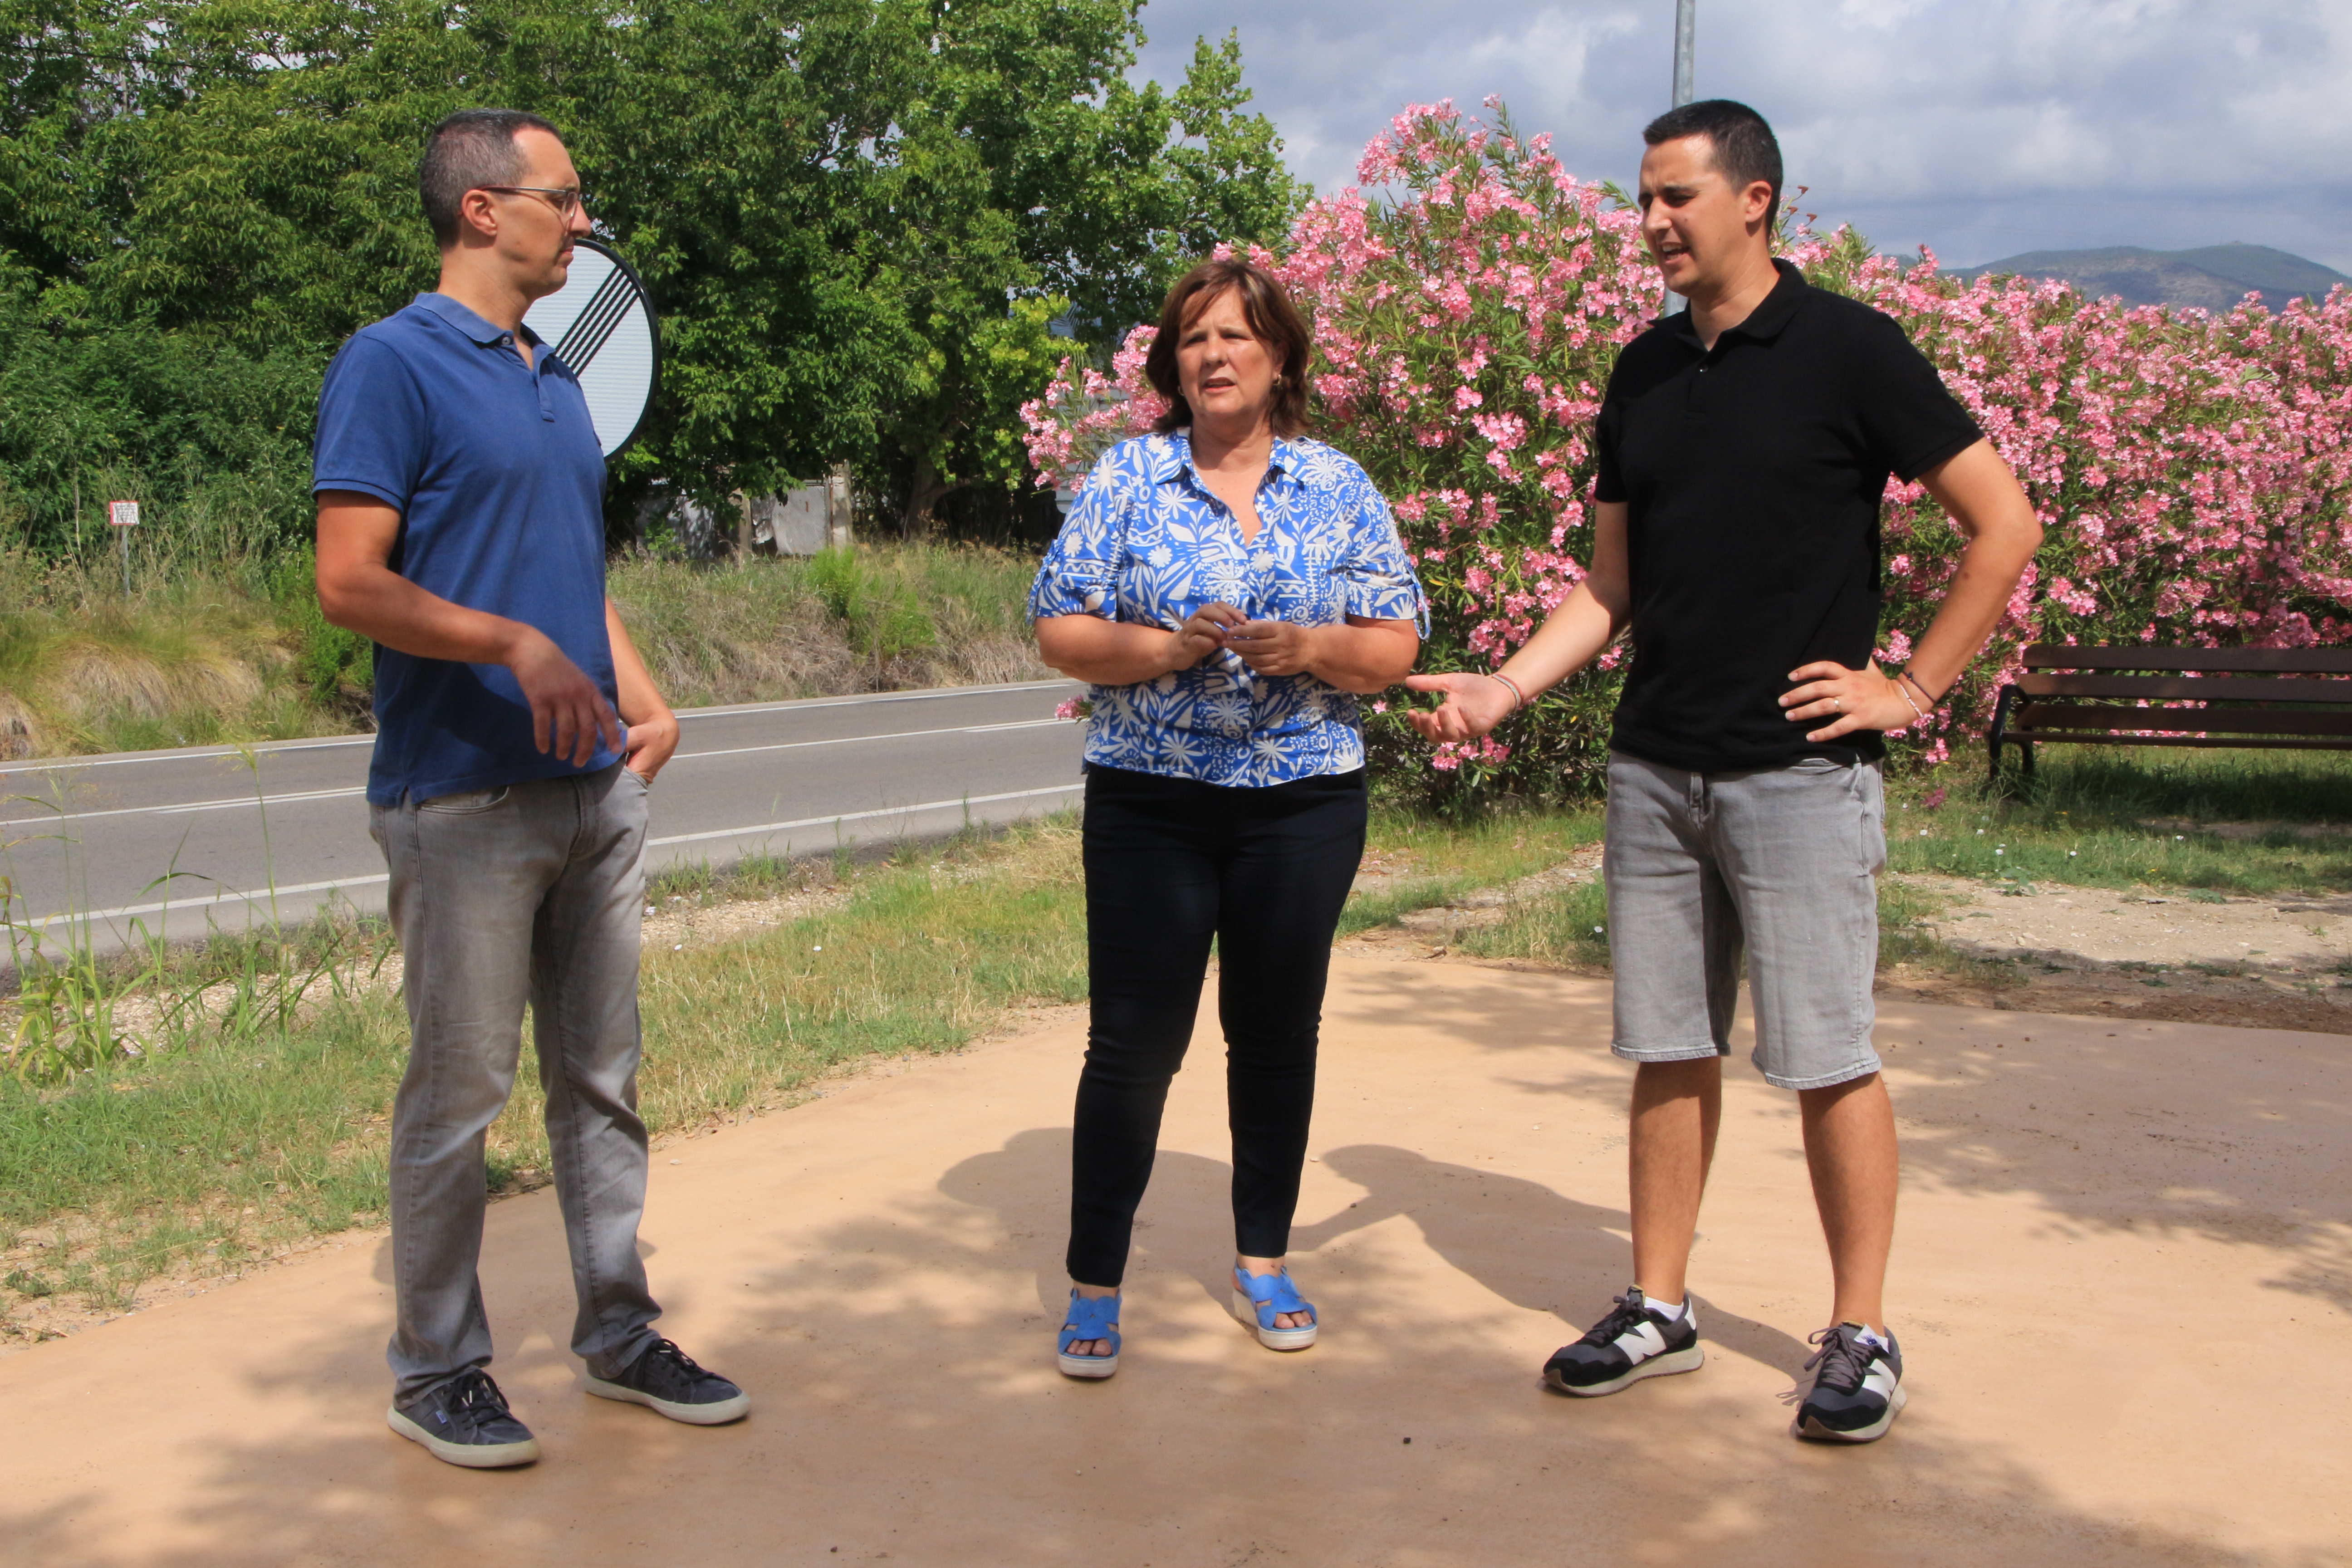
(536, 369)
(1265, 588)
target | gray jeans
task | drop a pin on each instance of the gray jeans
(1780, 864)
(533, 893)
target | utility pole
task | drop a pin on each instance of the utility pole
(1685, 27)
(1685, 24)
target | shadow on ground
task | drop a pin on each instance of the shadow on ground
(903, 1415)
(2234, 1135)
(889, 1296)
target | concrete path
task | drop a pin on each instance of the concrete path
(2124, 1276)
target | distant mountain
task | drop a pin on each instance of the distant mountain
(2214, 277)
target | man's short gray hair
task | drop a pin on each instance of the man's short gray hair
(469, 150)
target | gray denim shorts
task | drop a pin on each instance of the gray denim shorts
(1780, 864)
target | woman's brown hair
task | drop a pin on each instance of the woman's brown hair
(1275, 320)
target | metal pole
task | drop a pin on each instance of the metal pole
(126, 562)
(1685, 25)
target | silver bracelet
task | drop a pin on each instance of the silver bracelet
(1518, 697)
(1915, 714)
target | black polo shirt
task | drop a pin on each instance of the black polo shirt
(1752, 474)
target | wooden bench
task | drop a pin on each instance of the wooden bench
(2277, 698)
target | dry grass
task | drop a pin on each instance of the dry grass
(188, 661)
(759, 631)
(716, 635)
(202, 658)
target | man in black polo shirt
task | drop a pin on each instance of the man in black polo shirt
(1743, 446)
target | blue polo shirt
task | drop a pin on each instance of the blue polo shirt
(500, 482)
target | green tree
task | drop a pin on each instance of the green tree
(861, 220)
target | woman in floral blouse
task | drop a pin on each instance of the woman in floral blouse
(1228, 588)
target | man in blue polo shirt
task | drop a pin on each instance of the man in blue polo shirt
(1743, 448)
(460, 488)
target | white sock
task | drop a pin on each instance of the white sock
(1673, 1314)
(1873, 1337)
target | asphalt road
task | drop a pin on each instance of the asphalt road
(213, 836)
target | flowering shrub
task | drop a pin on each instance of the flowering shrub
(2191, 470)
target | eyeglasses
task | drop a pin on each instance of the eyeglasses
(564, 199)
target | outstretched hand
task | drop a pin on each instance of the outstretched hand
(1474, 704)
(1850, 700)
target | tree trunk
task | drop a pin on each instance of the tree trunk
(924, 492)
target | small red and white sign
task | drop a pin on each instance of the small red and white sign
(123, 513)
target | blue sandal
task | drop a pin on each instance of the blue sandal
(1259, 1299)
(1091, 1318)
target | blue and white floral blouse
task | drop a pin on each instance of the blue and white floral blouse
(1148, 542)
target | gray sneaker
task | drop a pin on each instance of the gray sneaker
(465, 1421)
(1858, 1390)
(1633, 1341)
(666, 1378)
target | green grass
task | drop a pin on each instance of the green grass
(1437, 859)
(2122, 817)
(216, 1153)
(1569, 926)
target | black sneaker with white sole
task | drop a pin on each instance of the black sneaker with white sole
(1633, 1341)
(1857, 1389)
(666, 1378)
(466, 1422)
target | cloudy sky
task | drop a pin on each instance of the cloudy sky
(1983, 128)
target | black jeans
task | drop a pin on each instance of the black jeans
(1171, 863)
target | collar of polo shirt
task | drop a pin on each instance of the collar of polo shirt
(467, 322)
(1771, 313)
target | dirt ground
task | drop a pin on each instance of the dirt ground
(2276, 963)
(2111, 1230)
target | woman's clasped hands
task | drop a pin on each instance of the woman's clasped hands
(1268, 648)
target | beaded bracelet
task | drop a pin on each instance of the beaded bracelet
(1931, 697)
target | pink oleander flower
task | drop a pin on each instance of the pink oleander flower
(2193, 469)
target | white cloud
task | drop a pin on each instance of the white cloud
(1983, 127)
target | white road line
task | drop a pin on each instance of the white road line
(60, 819)
(855, 740)
(263, 895)
(271, 747)
(928, 694)
(968, 800)
(197, 902)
